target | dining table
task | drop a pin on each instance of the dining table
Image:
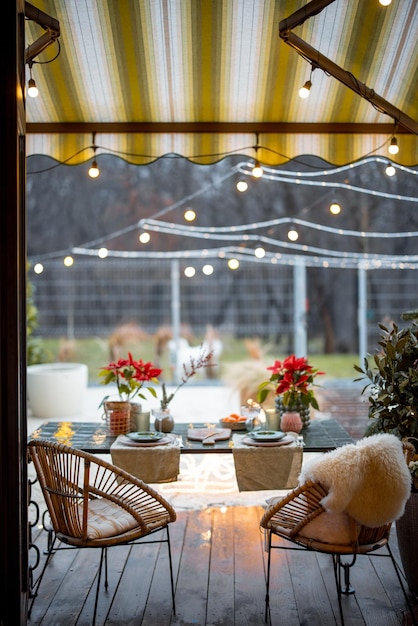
(321, 435)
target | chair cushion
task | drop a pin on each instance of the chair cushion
(332, 528)
(107, 519)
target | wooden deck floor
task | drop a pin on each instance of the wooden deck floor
(219, 576)
(219, 571)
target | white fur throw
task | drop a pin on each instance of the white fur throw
(369, 480)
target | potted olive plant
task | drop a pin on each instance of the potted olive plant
(393, 408)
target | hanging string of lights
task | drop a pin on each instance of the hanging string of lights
(343, 260)
(242, 233)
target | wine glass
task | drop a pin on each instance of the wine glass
(158, 416)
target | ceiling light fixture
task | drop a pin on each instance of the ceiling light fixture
(385, 3)
(335, 208)
(94, 171)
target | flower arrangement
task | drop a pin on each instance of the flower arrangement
(204, 360)
(130, 376)
(291, 379)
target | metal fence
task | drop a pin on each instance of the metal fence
(94, 296)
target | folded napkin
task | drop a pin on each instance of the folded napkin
(266, 467)
(150, 463)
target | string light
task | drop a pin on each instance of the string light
(242, 185)
(189, 271)
(207, 269)
(94, 171)
(335, 208)
(305, 90)
(32, 88)
(144, 237)
(257, 169)
(393, 147)
(312, 256)
(233, 264)
(292, 234)
(390, 170)
(300, 178)
(189, 215)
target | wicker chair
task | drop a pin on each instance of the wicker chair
(93, 504)
(300, 519)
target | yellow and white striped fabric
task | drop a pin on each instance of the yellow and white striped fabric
(194, 62)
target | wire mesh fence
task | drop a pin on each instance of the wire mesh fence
(94, 296)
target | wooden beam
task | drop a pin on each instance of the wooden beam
(212, 127)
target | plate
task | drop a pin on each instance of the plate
(145, 436)
(266, 435)
(285, 441)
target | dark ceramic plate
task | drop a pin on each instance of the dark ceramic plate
(145, 436)
(266, 435)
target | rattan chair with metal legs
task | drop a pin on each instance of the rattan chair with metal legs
(94, 504)
(301, 520)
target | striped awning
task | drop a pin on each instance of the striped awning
(207, 78)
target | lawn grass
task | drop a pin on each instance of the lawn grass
(95, 353)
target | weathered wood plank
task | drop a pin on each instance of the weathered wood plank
(219, 563)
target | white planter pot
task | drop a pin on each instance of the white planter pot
(57, 390)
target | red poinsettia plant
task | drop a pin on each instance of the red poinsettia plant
(130, 377)
(292, 379)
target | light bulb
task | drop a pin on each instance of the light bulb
(293, 235)
(32, 88)
(257, 170)
(242, 185)
(304, 91)
(390, 170)
(189, 215)
(393, 147)
(335, 208)
(94, 171)
(144, 237)
(385, 3)
(233, 264)
(207, 270)
(189, 271)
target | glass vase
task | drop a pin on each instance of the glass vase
(163, 420)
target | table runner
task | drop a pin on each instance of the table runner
(153, 464)
(266, 467)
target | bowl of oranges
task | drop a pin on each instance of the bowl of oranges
(234, 422)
